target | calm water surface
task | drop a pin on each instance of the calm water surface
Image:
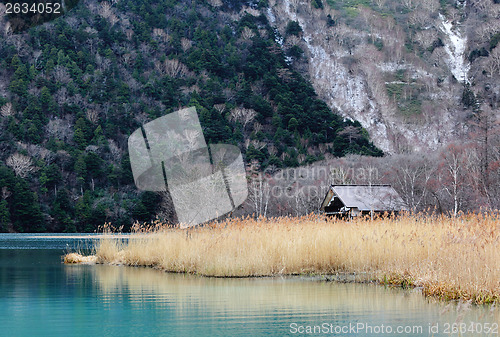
(40, 296)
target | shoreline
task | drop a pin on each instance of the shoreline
(340, 277)
(444, 258)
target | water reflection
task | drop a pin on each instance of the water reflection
(286, 300)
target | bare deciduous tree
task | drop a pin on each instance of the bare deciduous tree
(21, 164)
(7, 31)
(412, 176)
(61, 96)
(272, 150)
(36, 58)
(409, 4)
(105, 10)
(161, 35)
(481, 5)
(419, 18)
(430, 5)
(426, 37)
(339, 176)
(220, 108)
(113, 19)
(103, 63)
(258, 144)
(60, 129)
(243, 115)
(186, 44)
(115, 151)
(193, 138)
(215, 3)
(61, 74)
(92, 115)
(490, 66)
(379, 3)
(351, 132)
(453, 175)
(259, 191)
(257, 127)
(7, 110)
(5, 192)
(129, 33)
(247, 33)
(172, 68)
(495, 59)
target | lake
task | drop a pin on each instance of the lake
(40, 296)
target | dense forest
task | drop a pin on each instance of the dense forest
(72, 90)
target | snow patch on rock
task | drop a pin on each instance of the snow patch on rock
(455, 48)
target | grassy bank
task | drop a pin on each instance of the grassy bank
(449, 258)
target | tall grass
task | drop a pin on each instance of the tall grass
(450, 258)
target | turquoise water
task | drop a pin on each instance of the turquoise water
(40, 296)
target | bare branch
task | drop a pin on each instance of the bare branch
(243, 115)
(21, 164)
(7, 110)
(92, 115)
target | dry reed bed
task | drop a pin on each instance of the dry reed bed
(450, 258)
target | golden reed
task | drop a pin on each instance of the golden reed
(449, 258)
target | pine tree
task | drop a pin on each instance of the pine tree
(81, 169)
(4, 216)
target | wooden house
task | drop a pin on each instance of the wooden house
(357, 200)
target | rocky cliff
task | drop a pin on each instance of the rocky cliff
(412, 72)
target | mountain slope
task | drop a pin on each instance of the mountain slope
(413, 73)
(72, 90)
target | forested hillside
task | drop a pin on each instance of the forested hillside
(74, 89)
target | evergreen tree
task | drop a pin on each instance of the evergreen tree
(81, 169)
(25, 209)
(4, 215)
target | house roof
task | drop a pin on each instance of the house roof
(369, 197)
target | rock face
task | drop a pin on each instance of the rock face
(400, 68)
